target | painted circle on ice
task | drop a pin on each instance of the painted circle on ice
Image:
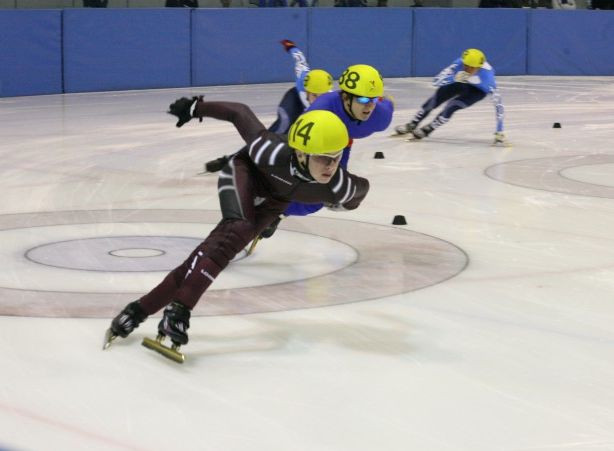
(115, 253)
(91, 263)
(560, 174)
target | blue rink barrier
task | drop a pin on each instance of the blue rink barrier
(117, 49)
(30, 52)
(442, 34)
(381, 37)
(571, 43)
(238, 46)
(80, 50)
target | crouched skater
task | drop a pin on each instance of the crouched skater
(254, 188)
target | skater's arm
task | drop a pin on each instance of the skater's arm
(301, 69)
(243, 118)
(349, 191)
(446, 76)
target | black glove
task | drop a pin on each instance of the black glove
(183, 109)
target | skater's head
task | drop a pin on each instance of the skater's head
(473, 59)
(316, 83)
(318, 138)
(361, 88)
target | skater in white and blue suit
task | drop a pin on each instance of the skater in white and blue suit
(466, 81)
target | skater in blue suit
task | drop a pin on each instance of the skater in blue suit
(466, 81)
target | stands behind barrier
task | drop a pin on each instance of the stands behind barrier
(117, 49)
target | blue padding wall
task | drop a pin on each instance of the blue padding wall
(79, 50)
(571, 43)
(30, 52)
(441, 35)
(112, 49)
(233, 46)
(381, 37)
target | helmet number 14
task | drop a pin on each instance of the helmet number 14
(302, 131)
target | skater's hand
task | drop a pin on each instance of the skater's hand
(461, 76)
(183, 108)
(288, 44)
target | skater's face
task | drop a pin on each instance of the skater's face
(470, 70)
(321, 167)
(359, 108)
(311, 97)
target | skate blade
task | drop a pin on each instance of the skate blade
(170, 353)
(253, 245)
(109, 336)
(399, 135)
(502, 144)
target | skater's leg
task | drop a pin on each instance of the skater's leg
(441, 95)
(467, 97)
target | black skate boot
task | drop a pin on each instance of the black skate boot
(423, 132)
(174, 324)
(272, 227)
(123, 324)
(406, 128)
(217, 164)
(266, 233)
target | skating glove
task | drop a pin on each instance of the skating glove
(461, 76)
(288, 44)
(183, 108)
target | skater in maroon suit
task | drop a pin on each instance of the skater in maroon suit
(254, 189)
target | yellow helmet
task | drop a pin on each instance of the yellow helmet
(318, 81)
(318, 132)
(473, 58)
(362, 81)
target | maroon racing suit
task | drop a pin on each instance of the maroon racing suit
(254, 189)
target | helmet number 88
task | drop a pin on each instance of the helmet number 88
(349, 79)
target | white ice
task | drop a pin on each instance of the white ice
(514, 353)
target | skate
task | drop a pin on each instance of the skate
(271, 228)
(266, 233)
(123, 324)
(420, 133)
(216, 165)
(500, 140)
(250, 249)
(401, 130)
(174, 324)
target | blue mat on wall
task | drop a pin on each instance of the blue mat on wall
(116, 49)
(442, 34)
(571, 43)
(235, 46)
(381, 37)
(30, 52)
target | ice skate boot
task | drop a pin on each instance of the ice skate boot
(266, 233)
(405, 128)
(421, 133)
(123, 324)
(216, 165)
(174, 324)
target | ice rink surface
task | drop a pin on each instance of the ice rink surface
(485, 323)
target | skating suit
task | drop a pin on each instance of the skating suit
(378, 121)
(484, 80)
(254, 188)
